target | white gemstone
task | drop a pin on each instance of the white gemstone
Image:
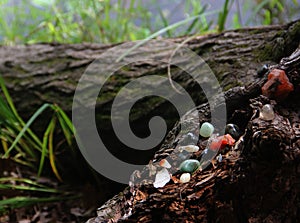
(267, 112)
(190, 148)
(165, 163)
(162, 178)
(185, 177)
(206, 129)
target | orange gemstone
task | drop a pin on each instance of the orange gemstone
(221, 142)
(278, 85)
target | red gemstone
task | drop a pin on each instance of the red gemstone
(221, 142)
(278, 85)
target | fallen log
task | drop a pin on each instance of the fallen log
(256, 180)
(40, 73)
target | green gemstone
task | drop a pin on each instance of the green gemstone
(189, 165)
(206, 129)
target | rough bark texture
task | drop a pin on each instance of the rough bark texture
(256, 181)
(41, 73)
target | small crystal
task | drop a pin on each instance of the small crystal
(189, 165)
(190, 148)
(185, 177)
(183, 155)
(189, 138)
(165, 163)
(162, 178)
(206, 129)
(267, 112)
(221, 142)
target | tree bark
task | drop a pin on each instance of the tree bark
(35, 74)
(257, 179)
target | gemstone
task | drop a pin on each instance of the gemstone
(206, 129)
(162, 178)
(165, 163)
(190, 148)
(185, 177)
(183, 155)
(221, 142)
(189, 165)
(267, 113)
(278, 85)
(189, 138)
(233, 130)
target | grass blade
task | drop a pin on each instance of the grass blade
(66, 124)
(9, 101)
(223, 16)
(45, 143)
(22, 180)
(165, 21)
(192, 25)
(26, 127)
(51, 153)
(27, 188)
(18, 202)
(161, 31)
(256, 10)
(14, 111)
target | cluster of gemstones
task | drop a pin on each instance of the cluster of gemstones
(277, 87)
(189, 166)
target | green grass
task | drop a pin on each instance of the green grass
(25, 184)
(21, 201)
(107, 21)
(21, 144)
(24, 201)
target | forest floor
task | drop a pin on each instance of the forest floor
(77, 203)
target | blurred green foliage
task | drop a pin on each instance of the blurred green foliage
(111, 21)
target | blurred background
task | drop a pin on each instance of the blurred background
(111, 21)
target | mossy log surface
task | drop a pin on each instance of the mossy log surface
(41, 73)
